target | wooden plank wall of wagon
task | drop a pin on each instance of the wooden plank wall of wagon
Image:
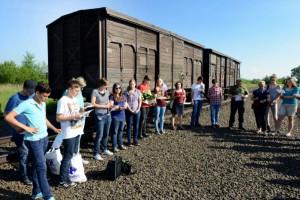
(165, 57)
(228, 69)
(218, 69)
(198, 60)
(91, 70)
(212, 69)
(222, 78)
(147, 55)
(121, 42)
(56, 59)
(188, 68)
(72, 56)
(232, 73)
(178, 61)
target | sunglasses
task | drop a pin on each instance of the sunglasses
(117, 88)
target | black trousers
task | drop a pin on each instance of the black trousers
(240, 107)
(260, 113)
(143, 121)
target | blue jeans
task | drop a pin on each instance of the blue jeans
(70, 148)
(103, 127)
(37, 150)
(159, 112)
(198, 104)
(214, 113)
(132, 119)
(117, 132)
(23, 157)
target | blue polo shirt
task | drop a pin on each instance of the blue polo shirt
(36, 117)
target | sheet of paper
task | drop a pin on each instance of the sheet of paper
(238, 97)
(87, 112)
(280, 91)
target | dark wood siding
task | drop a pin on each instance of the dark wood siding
(165, 57)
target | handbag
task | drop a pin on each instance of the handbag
(77, 170)
(255, 104)
(53, 160)
(114, 168)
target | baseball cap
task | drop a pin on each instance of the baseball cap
(30, 85)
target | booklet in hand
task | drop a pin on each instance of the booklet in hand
(86, 113)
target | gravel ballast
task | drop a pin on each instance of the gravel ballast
(208, 163)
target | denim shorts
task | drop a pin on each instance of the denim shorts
(288, 110)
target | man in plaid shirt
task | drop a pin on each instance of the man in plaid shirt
(215, 97)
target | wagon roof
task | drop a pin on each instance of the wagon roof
(118, 15)
(221, 54)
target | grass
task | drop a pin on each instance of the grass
(7, 90)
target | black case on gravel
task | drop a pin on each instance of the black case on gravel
(114, 168)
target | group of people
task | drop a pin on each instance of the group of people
(266, 99)
(26, 113)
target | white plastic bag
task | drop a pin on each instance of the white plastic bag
(77, 170)
(53, 159)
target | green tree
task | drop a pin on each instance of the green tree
(296, 72)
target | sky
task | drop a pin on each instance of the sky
(263, 34)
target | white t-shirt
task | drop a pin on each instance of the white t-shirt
(197, 91)
(69, 106)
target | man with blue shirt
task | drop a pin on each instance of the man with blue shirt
(36, 136)
(17, 133)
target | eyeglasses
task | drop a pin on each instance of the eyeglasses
(117, 88)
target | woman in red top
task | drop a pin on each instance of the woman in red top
(161, 93)
(144, 87)
(178, 96)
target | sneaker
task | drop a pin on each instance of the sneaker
(130, 145)
(37, 196)
(288, 135)
(66, 185)
(51, 198)
(27, 182)
(145, 135)
(122, 147)
(162, 132)
(85, 162)
(157, 133)
(115, 149)
(107, 153)
(217, 125)
(98, 157)
(136, 144)
(258, 131)
(265, 133)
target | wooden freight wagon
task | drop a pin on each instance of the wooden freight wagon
(220, 67)
(102, 43)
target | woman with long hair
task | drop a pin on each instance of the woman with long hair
(260, 98)
(100, 101)
(179, 97)
(134, 101)
(273, 87)
(119, 101)
(288, 106)
(161, 93)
